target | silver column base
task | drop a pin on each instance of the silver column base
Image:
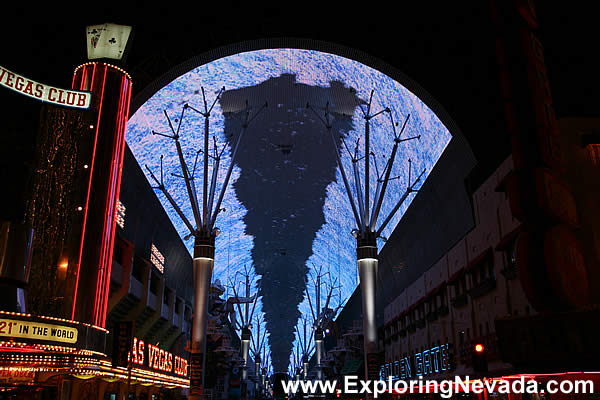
(203, 268)
(367, 269)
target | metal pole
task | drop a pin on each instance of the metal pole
(203, 264)
(305, 365)
(359, 195)
(318, 299)
(245, 346)
(247, 296)
(367, 159)
(366, 252)
(344, 177)
(205, 188)
(386, 179)
(257, 374)
(213, 185)
(318, 350)
(305, 356)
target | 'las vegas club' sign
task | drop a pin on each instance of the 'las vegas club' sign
(46, 93)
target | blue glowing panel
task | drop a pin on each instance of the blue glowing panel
(286, 209)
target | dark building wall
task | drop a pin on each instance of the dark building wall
(439, 216)
(146, 222)
(159, 303)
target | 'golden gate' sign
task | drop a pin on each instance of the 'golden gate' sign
(49, 94)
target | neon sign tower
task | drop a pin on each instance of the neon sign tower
(111, 94)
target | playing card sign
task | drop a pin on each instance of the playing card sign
(107, 41)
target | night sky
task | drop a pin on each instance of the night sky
(449, 50)
(447, 47)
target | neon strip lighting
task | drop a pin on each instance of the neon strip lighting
(122, 125)
(103, 281)
(106, 221)
(87, 201)
(106, 229)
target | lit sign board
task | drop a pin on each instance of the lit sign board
(427, 362)
(107, 41)
(157, 259)
(49, 94)
(152, 357)
(120, 214)
(37, 330)
(17, 374)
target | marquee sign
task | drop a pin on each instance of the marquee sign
(52, 331)
(46, 93)
(13, 375)
(431, 361)
(36, 330)
(147, 355)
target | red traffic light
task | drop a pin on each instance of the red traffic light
(479, 348)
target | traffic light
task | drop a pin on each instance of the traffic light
(479, 356)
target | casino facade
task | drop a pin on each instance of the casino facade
(96, 301)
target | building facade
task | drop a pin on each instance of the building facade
(476, 311)
(456, 301)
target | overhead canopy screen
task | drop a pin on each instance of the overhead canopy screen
(286, 212)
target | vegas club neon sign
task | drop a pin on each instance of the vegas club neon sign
(149, 356)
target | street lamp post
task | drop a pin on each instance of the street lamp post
(256, 347)
(366, 232)
(321, 318)
(245, 329)
(204, 230)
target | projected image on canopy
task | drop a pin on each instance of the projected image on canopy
(286, 212)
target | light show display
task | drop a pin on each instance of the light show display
(286, 212)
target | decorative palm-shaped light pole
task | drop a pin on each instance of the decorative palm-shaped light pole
(245, 327)
(256, 347)
(305, 345)
(204, 231)
(266, 371)
(366, 231)
(310, 334)
(299, 364)
(321, 317)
